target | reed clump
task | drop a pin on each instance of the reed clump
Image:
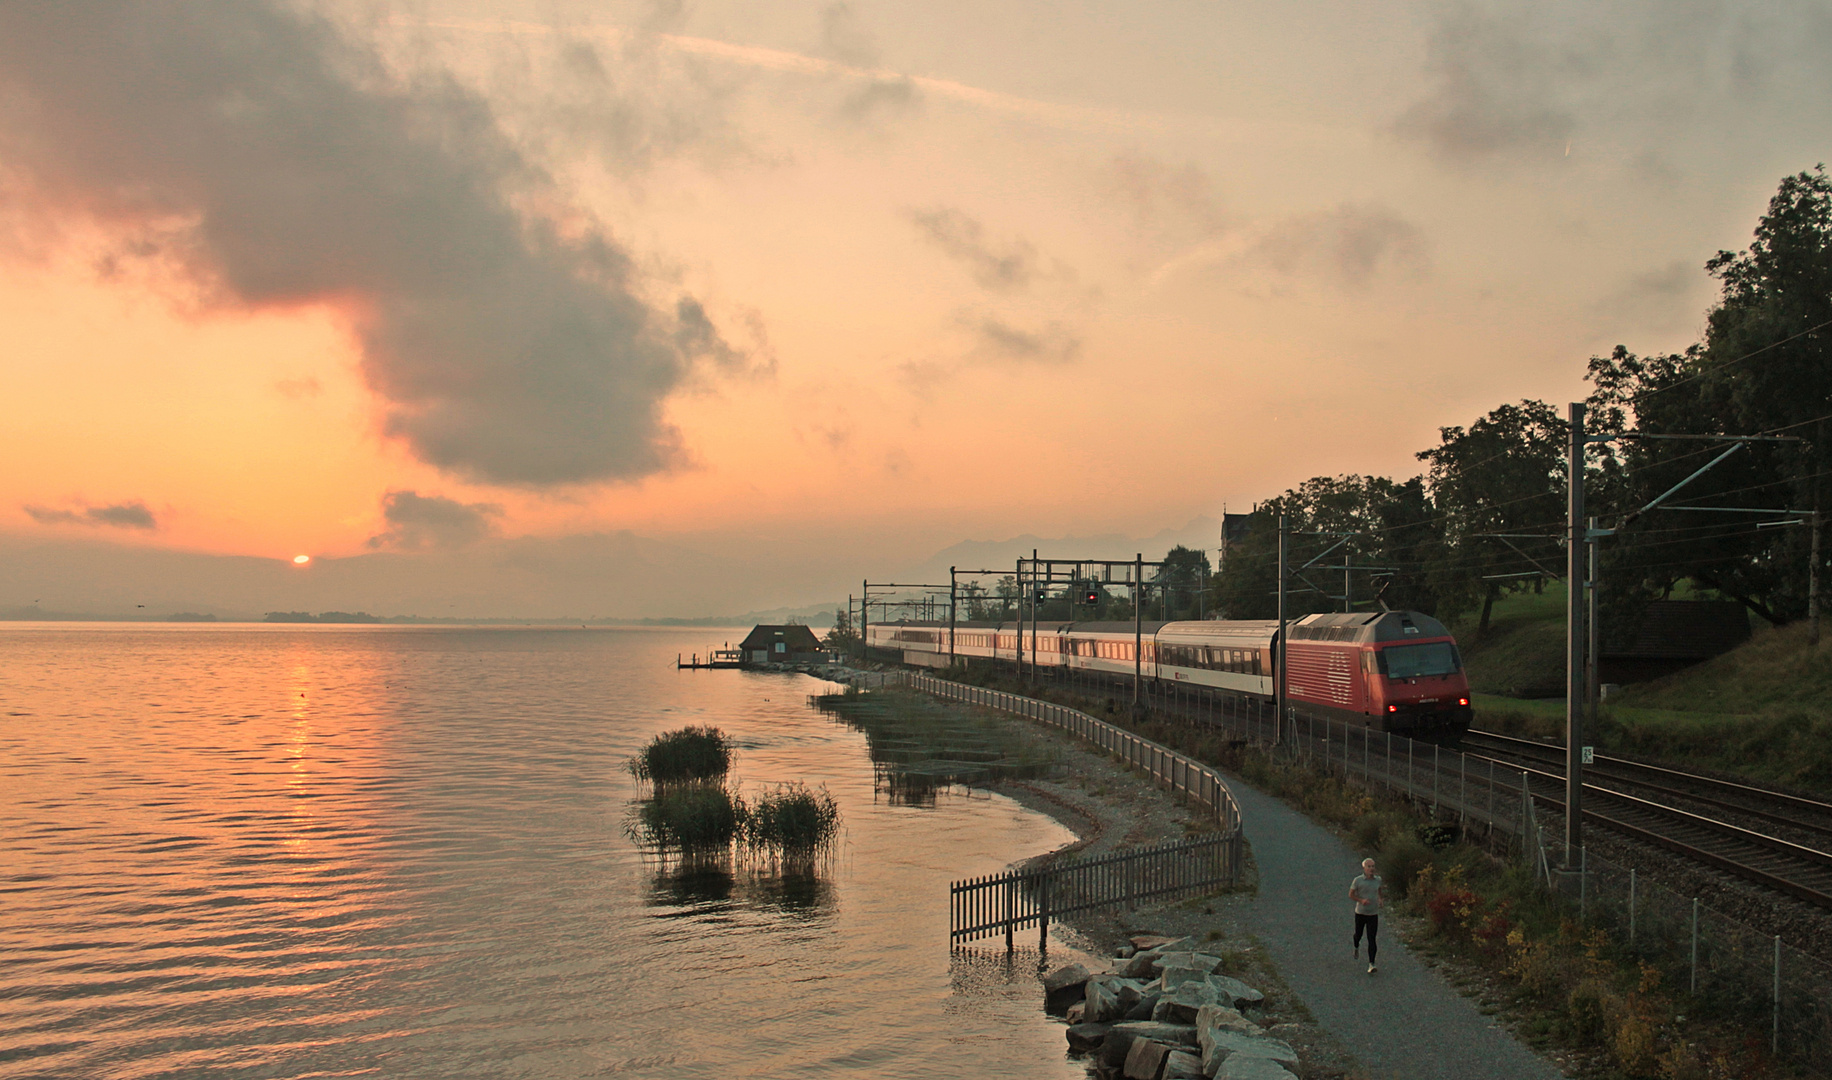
(696, 820)
(793, 822)
(688, 756)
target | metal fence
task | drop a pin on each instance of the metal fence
(1722, 963)
(1020, 899)
(1201, 783)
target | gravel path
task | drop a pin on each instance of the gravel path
(1404, 1022)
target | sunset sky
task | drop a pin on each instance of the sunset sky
(825, 287)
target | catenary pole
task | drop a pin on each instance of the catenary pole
(1574, 638)
(1138, 628)
(1035, 590)
(950, 618)
(1278, 650)
(1594, 638)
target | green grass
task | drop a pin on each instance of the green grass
(1761, 710)
(1523, 653)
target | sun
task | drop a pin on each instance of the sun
(301, 560)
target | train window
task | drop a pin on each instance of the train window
(1412, 661)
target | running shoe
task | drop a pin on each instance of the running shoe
(1372, 969)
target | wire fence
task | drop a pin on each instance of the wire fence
(1020, 899)
(1724, 964)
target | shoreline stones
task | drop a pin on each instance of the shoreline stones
(1188, 1022)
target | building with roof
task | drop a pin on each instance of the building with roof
(789, 643)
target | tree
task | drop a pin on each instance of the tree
(1765, 366)
(1380, 523)
(844, 637)
(1184, 573)
(1499, 487)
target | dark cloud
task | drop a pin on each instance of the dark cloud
(879, 97)
(1666, 298)
(1531, 81)
(1004, 267)
(1178, 201)
(844, 36)
(698, 338)
(1350, 244)
(127, 515)
(1000, 341)
(418, 522)
(1494, 89)
(275, 163)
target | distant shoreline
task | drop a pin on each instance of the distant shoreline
(358, 618)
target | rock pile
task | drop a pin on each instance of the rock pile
(1163, 1011)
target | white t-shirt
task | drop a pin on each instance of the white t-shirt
(1367, 894)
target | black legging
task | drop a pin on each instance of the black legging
(1370, 923)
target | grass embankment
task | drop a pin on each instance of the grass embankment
(1762, 710)
(921, 746)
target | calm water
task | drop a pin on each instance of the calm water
(319, 851)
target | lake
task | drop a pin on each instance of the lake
(292, 851)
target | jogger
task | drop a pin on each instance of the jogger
(1368, 893)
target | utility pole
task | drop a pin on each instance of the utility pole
(1138, 628)
(1018, 653)
(950, 618)
(1593, 586)
(864, 619)
(1348, 583)
(1574, 641)
(1278, 652)
(1035, 589)
(1813, 584)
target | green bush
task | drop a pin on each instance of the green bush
(792, 822)
(690, 755)
(696, 819)
(1400, 860)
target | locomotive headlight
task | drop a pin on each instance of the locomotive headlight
(1393, 708)
(1463, 701)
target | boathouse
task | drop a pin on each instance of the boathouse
(788, 644)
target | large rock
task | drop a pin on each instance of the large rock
(1077, 1012)
(1143, 942)
(1252, 1068)
(1220, 1046)
(1183, 1065)
(1146, 1009)
(1231, 989)
(1087, 1036)
(1223, 1018)
(1120, 1038)
(1141, 965)
(1067, 977)
(1145, 1059)
(1109, 998)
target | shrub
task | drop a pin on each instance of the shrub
(1585, 1012)
(793, 822)
(697, 819)
(692, 754)
(1400, 860)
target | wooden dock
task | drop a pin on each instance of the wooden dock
(717, 658)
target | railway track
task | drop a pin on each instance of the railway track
(1779, 807)
(1801, 870)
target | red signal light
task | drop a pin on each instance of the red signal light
(1393, 708)
(1463, 701)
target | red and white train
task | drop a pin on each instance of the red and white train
(1395, 671)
